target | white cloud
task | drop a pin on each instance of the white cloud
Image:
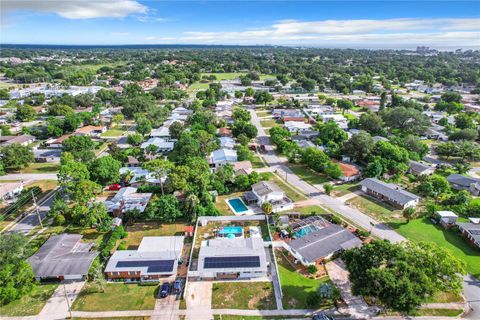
(78, 9)
(361, 33)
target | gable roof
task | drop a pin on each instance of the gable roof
(419, 167)
(62, 255)
(263, 188)
(392, 191)
(462, 180)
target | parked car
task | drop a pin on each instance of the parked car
(177, 286)
(165, 290)
(114, 187)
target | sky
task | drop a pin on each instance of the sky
(344, 24)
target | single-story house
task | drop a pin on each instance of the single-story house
(420, 169)
(23, 140)
(461, 182)
(182, 110)
(349, 172)
(232, 258)
(304, 144)
(139, 176)
(155, 258)
(471, 230)
(446, 218)
(9, 190)
(161, 144)
(316, 239)
(224, 132)
(280, 113)
(389, 193)
(178, 117)
(226, 142)
(47, 155)
(57, 142)
(162, 132)
(127, 199)
(296, 126)
(242, 167)
(63, 257)
(92, 131)
(221, 157)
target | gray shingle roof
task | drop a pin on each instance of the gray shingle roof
(418, 167)
(462, 180)
(389, 190)
(62, 255)
(324, 242)
(265, 187)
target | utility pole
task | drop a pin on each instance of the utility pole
(68, 302)
(36, 210)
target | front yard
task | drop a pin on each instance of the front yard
(43, 167)
(423, 229)
(344, 189)
(116, 297)
(270, 123)
(113, 133)
(308, 175)
(243, 295)
(30, 304)
(376, 209)
(288, 189)
(296, 287)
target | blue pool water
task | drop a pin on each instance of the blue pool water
(238, 205)
(304, 231)
(230, 230)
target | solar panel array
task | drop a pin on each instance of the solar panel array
(151, 265)
(231, 262)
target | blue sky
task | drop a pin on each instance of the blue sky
(355, 24)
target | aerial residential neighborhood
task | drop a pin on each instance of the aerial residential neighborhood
(239, 160)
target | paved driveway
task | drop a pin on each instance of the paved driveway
(57, 306)
(357, 307)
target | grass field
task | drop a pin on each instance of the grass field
(40, 168)
(308, 175)
(376, 209)
(311, 209)
(270, 123)
(234, 75)
(113, 133)
(296, 287)
(222, 206)
(139, 230)
(424, 230)
(131, 296)
(257, 162)
(243, 295)
(343, 189)
(30, 304)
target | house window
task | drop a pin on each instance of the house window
(115, 273)
(132, 273)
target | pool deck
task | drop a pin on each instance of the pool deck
(248, 212)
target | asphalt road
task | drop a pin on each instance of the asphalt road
(29, 176)
(27, 224)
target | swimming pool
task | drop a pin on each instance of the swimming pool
(230, 232)
(304, 231)
(237, 205)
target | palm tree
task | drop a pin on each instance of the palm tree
(267, 207)
(159, 168)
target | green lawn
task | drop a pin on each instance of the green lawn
(343, 189)
(257, 162)
(423, 229)
(30, 304)
(263, 113)
(222, 206)
(139, 230)
(309, 209)
(376, 209)
(243, 295)
(235, 75)
(270, 123)
(116, 297)
(296, 287)
(113, 133)
(308, 175)
(197, 86)
(41, 168)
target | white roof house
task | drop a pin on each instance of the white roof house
(161, 144)
(140, 175)
(222, 156)
(155, 257)
(227, 142)
(128, 199)
(162, 132)
(232, 258)
(297, 126)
